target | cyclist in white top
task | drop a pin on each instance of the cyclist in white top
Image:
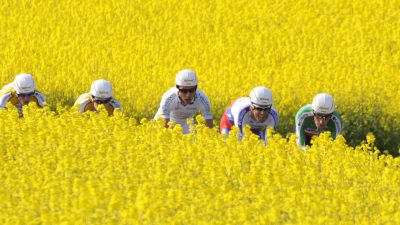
(183, 101)
(255, 111)
(100, 94)
(21, 92)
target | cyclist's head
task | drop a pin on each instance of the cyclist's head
(261, 103)
(323, 107)
(25, 87)
(186, 83)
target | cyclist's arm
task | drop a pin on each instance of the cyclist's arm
(166, 104)
(275, 115)
(41, 99)
(166, 121)
(337, 125)
(4, 99)
(301, 139)
(209, 123)
(205, 109)
(116, 104)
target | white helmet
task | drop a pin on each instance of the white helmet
(101, 89)
(323, 104)
(24, 83)
(261, 96)
(186, 78)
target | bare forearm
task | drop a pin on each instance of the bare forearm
(166, 123)
(209, 123)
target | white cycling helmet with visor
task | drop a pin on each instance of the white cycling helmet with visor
(101, 89)
(261, 97)
(24, 84)
(323, 104)
(186, 78)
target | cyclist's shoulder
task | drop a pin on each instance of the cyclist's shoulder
(336, 117)
(115, 103)
(336, 113)
(171, 91)
(169, 97)
(241, 105)
(40, 96)
(274, 111)
(304, 110)
(7, 89)
(83, 98)
(242, 102)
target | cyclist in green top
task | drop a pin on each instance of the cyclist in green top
(313, 119)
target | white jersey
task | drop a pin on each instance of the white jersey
(171, 108)
(239, 115)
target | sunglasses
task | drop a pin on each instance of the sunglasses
(185, 91)
(25, 94)
(101, 101)
(268, 108)
(323, 116)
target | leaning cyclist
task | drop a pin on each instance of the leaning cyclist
(183, 101)
(313, 119)
(21, 92)
(255, 111)
(100, 94)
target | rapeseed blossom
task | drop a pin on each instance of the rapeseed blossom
(90, 168)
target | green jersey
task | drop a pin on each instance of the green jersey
(306, 128)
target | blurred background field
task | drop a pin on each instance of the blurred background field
(350, 49)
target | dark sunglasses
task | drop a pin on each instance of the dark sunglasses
(101, 101)
(185, 91)
(25, 94)
(262, 108)
(323, 116)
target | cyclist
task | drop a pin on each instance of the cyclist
(100, 94)
(255, 111)
(183, 101)
(313, 119)
(21, 92)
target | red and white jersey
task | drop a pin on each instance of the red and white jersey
(239, 115)
(171, 108)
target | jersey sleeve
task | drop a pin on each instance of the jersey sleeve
(338, 122)
(81, 102)
(5, 95)
(4, 99)
(239, 110)
(166, 104)
(116, 104)
(300, 118)
(41, 99)
(204, 106)
(275, 116)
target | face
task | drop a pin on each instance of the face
(100, 101)
(24, 99)
(321, 121)
(186, 94)
(259, 113)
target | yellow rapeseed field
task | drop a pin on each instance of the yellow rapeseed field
(60, 167)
